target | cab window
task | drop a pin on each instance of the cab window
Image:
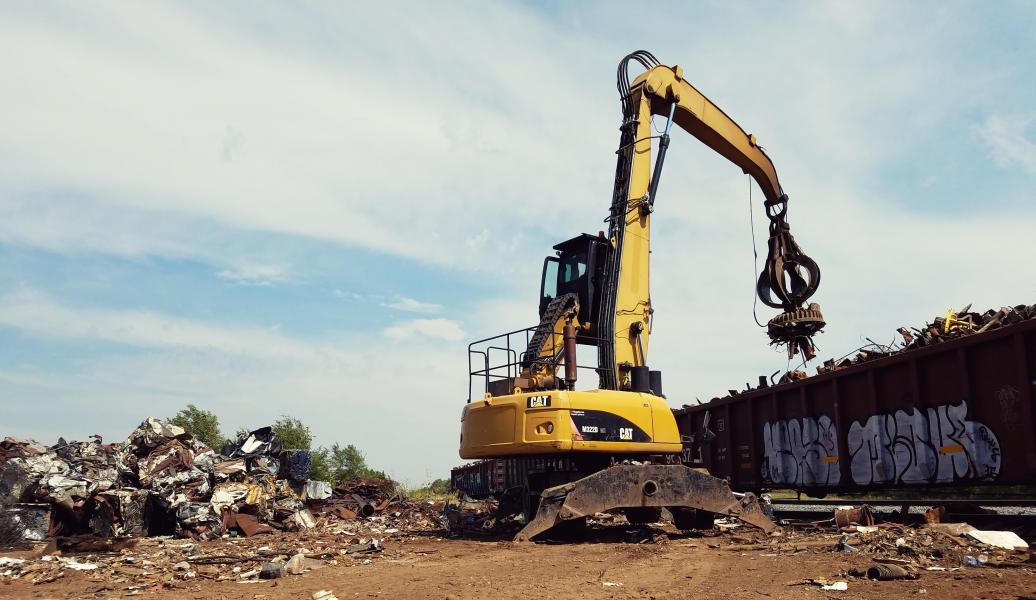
(549, 285)
(573, 267)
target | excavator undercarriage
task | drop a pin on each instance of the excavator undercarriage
(636, 486)
(574, 491)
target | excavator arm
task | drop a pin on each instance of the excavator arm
(664, 90)
(789, 277)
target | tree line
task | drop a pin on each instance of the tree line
(335, 464)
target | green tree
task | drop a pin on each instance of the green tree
(335, 464)
(320, 466)
(440, 486)
(293, 433)
(202, 424)
(347, 462)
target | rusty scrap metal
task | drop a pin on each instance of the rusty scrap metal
(793, 375)
(952, 325)
(248, 524)
(935, 515)
(161, 480)
(889, 572)
(855, 515)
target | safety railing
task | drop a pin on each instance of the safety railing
(496, 362)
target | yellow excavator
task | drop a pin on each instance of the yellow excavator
(559, 454)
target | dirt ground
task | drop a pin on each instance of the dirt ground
(428, 566)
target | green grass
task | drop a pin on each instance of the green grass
(424, 494)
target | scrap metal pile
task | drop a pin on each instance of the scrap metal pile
(138, 565)
(356, 498)
(162, 481)
(952, 325)
(895, 550)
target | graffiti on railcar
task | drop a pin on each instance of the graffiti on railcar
(801, 452)
(1010, 405)
(936, 445)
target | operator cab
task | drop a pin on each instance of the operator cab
(577, 269)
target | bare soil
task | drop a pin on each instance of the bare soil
(427, 566)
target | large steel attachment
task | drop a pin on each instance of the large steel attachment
(787, 281)
(641, 486)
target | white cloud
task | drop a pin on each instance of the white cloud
(400, 303)
(35, 313)
(252, 135)
(150, 363)
(416, 306)
(1006, 138)
(261, 275)
(74, 225)
(442, 329)
(231, 130)
(347, 295)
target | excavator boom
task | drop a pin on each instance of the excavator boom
(664, 87)
(789, 278)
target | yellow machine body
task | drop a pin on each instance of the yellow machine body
(508, 425)
(560, 421)
(561, 454)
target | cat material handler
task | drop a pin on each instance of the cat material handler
(559, 454)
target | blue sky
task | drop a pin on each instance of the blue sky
(310, 208)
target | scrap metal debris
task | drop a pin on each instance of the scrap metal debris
(163, 481)
(115, 510)
(163, 562)
(479, 518)
(950, 326)
(120, 511)
(886, 572)
(884, 551)
(854, 515)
